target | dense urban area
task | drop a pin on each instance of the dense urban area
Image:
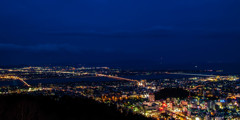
(156, 94)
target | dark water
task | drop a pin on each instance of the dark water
(65, 80)
(10, 83)
(55, 80)
(157, 77)
(91, 79)
(230, 68)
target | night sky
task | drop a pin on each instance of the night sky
(119, 31)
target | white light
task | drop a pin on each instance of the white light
(197, 118)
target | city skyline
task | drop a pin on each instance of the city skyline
(119, 60)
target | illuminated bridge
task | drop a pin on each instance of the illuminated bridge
(15, 78)
(116, 77)
(24, 82)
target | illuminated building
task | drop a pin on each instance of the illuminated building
(151, 97)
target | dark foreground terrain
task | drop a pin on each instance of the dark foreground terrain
(172, 93)
(26, 107)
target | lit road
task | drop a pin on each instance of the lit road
(179, 114)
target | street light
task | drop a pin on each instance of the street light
(197, 118)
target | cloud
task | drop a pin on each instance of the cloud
(155, 31)
(40, 47)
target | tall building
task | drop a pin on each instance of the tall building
(151, 97)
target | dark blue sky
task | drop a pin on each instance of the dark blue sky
(119, 31)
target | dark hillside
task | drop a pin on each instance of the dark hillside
(25, 107)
